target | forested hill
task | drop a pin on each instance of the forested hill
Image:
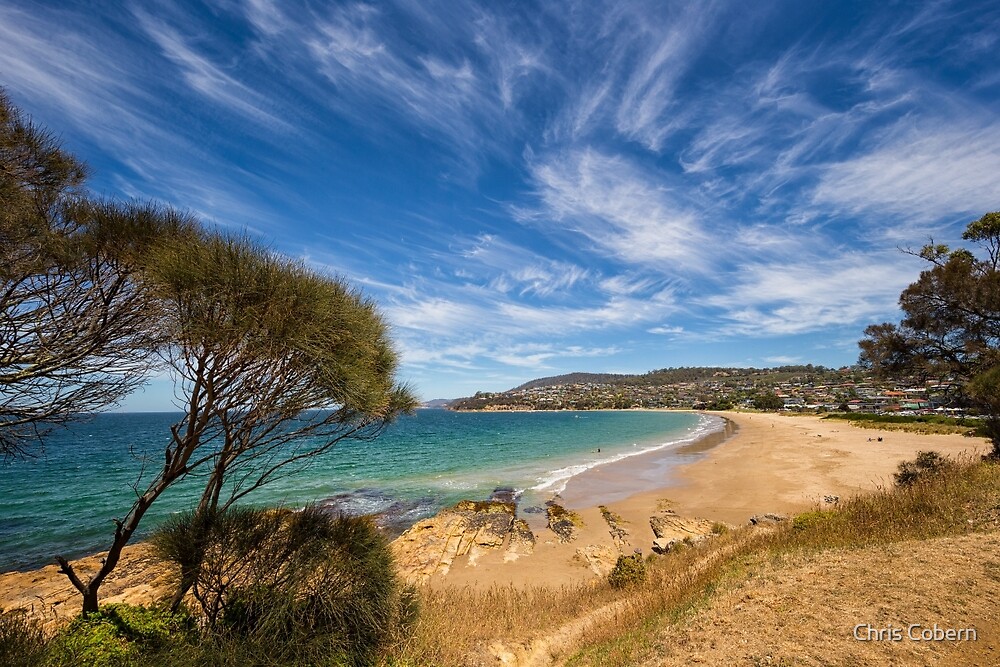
(669, 387)
(574, 378)
(670, 376)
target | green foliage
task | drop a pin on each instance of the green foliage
(807, 520)
(22, 643)
(951, 316)
(293, 586)
(985, 389)
(927, 464)
(873, 418)
(117, 635)
(768, 402)
(719, 528)
(81, 327)
(628, 571)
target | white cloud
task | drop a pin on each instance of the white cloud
(813, 294)
(783, 360)
(665, 50)
(462, 85)
(666, 331)
(921, 173)
(618, 207)
(209, 79)
(266, 16)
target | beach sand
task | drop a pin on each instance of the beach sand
(772, 463)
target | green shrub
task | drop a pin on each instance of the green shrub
(296, 587)
(21, 641)
(926, 464)
(809, 519)
(628, 571)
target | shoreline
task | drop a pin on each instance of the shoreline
(652, 471)
(770, 463)
(758, 463)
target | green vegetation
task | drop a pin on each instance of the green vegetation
(117, 635)
(949, 329)
(768, 401)
(628, 571)
(926, 464)
(295, 586)
(22, 643)
(272, 363)
(929, 424)
(80, 324)
(719, 528)
(272, 588)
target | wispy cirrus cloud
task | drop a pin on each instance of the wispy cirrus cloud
(812, 294)
(209, 79)
(618, 207)
(461, 87)
(922, 172)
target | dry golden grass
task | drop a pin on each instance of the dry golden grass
(597, 625)
(917, 427)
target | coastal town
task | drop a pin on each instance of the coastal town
(791, 388)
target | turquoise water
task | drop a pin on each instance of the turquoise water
(64, 501)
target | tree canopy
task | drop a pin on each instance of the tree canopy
(951, 325)
(77, 324)
(273, 363)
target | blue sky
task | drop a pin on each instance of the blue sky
(532, 188)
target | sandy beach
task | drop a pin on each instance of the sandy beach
(770, 463)
(764, 463)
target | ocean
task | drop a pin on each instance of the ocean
(64, 501)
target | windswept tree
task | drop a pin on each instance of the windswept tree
(77, 326)
(274, 365)
(951, 323)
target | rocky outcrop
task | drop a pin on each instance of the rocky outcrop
(563, 522)
(615, 527)
(470, 528)
(670, 529)
(522, 541)
(47, 595)
(767, 519)
(600, 559)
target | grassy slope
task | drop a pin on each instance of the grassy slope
(785, 596)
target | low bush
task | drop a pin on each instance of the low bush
(628, 571)
(807, 520)
(925, 465)
(296, 587)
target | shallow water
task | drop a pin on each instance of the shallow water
(64, 501)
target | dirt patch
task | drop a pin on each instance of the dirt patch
(807, 609)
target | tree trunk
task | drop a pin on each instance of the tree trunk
(90, 601)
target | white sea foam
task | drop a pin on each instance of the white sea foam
(555, 481)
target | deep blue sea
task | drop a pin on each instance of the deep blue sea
(64, 501)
